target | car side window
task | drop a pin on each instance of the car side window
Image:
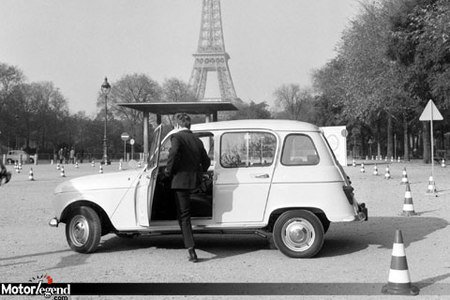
(299, 150)
(247, 149)
(207, 139)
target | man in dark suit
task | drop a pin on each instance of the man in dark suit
(187, 160)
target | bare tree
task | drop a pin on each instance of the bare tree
(292, 99)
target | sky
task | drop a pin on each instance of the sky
(75, 44)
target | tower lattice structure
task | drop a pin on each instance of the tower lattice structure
(211, 54)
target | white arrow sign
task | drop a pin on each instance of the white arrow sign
(431, 113)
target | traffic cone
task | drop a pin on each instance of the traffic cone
(367, 157)
(443, 163)
(399, 282)
(404, 177)
(58, 166)
(372, 157)
(362, 168)
(120, 165)
(408, 206)
(398, 159)
(354, 163)
(431, 185)
(101, 169)
(20, 166)
(392, 159)
(387, 174)
(63, 173)
(31, 175)
(375, 170)
(93, 163)
(385, 159)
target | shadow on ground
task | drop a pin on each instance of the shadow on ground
(345, 238)
(342, 238)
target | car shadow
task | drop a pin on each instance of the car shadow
(341, 239)
(346, 238)
(219, 245)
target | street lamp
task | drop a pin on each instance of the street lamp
(106, 88)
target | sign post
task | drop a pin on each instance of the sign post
(132, 148)
(125, 137)
(431, 113)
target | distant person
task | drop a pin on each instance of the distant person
(5, 176)
(72, 155)
(187, 160)
(61, 155)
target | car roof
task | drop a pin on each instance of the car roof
(271, 124)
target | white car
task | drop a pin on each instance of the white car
(18, 156)
(270, 177)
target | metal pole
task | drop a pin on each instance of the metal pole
(105, 147)
(432, 142)
(124, 150)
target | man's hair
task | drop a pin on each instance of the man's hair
(183, 120)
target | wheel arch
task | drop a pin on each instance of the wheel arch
(278, 212)
(104, 219)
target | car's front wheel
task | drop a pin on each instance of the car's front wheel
(298, 234)
(83, 230)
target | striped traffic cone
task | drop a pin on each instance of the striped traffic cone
(31, 175)
(354, 163)
(408, 206)
(363, 170)
(431, 185)
(76, 165)
(387, 174)
(63, 173)
(375, 170)
(399, 282)
(58, 166)
(392, 159)
(93, 163)
(101, 169)
(443, 163)
(404, 177)
(120, 165)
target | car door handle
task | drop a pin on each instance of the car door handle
(261, 175)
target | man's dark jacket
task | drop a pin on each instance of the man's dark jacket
(187, 159)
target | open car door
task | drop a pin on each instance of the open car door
(147, 181)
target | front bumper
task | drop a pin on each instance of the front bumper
(54, 222)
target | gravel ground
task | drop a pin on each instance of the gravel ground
(354, 261)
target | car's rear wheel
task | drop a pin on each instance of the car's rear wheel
(83, 230)
(298, 234)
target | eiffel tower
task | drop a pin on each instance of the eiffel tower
(211, 55)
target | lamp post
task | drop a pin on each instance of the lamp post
(106, 88)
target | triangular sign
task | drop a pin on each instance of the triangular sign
(431, 113)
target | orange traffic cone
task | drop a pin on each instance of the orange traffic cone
(408, 206)
(363, 170)
(399, 282)
(375, 170)
(31, 175)
(404, 177)
(431, 185)
(387, 174)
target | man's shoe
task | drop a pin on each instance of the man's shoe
(192, 255)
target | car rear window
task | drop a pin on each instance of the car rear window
(299, 150)
(247, 149)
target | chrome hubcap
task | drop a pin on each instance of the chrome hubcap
(298, 234)
(79, 230)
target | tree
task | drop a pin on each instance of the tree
(134, 88)
(252, 111)
(175, 90)
(294, 100)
